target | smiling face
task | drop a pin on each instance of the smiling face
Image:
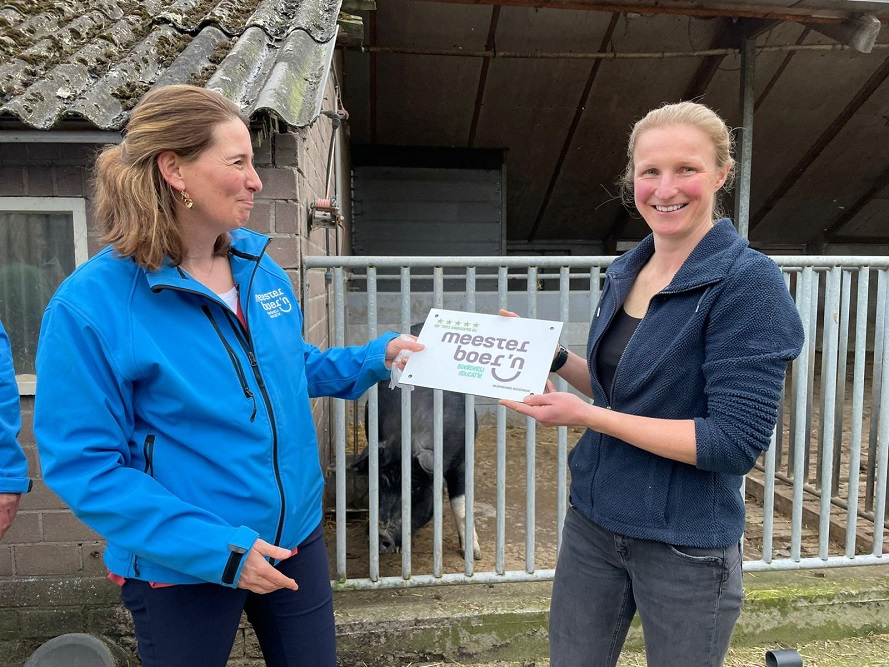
(675, 180)
(222, 181)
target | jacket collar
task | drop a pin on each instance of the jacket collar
(246, 245)
(707, 263)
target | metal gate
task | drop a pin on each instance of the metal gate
(821, 487)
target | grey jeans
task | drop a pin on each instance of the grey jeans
(688, 598)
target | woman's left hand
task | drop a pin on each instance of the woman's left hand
(396, 345)
(553, 408)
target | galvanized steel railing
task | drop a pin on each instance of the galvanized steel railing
(822, 467)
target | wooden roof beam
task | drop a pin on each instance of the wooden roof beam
(832, 232)
(829, 134)
(730, 34)
(752, 11)
(860, 31)
(490, 45)
(582, 104)
(778, 72)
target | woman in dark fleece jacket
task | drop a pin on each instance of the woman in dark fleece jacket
(685, 364)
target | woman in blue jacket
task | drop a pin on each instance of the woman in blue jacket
(173, 414)
(685, 365)
(13, 464)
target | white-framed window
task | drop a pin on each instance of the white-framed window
(42, 240)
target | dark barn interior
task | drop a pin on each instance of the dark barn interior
(557, 86)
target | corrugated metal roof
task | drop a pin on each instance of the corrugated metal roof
(94, 59)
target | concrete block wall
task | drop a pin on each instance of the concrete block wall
(52, 578)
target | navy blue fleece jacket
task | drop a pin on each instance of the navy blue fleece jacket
(713, 347)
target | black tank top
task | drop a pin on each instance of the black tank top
(611, 347)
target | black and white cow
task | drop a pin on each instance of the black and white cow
(453, 461)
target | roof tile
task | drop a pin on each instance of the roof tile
(93, 59)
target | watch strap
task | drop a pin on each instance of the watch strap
(560, 359)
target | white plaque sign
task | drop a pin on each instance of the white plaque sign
(486, 355)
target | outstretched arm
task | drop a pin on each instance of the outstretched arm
(670, 438)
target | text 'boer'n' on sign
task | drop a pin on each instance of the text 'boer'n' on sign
(485, 355)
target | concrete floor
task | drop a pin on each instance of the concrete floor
(869, 651)
(836, 618)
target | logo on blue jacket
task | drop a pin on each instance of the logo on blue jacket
(274, 303)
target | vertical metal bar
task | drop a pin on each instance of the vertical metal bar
(469, 451)
(595, 290)
(822, 377)
(530, 448)
(500, 550)
(795, 414)
(882, 453)
(828, 398)
(857, 409)
(768, 504)
(782, 405)
(437, 441)
(800, 391)
(813, 350)
(748, 97)
(842, 359)
(406, 439)
(373, 440)
(562, 385)
(339, 429)
(779, 425)
(880, 326)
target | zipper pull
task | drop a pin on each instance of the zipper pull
(255, 366)
(250, 396)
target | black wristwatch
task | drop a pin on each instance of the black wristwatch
(560, 359)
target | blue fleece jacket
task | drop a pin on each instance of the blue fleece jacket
(13, 464)
(177, 434)
(713, 347)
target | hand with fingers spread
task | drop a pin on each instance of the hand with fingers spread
(260, 576)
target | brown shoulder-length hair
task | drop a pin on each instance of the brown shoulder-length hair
(135, 207)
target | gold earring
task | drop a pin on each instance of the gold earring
(186, 199)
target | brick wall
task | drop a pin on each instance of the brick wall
(52, 579)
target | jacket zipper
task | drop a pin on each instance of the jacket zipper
(148, 453)
(595, 350)
(663, 293)
(610, 402)
(242, 378)
(268, 404)
(247, 344)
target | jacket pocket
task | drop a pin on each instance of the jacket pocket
(632, 486)
(584, 456)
